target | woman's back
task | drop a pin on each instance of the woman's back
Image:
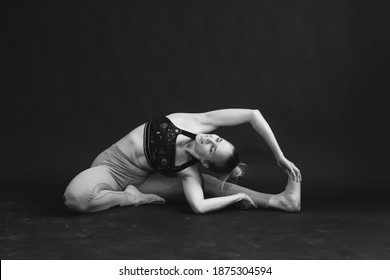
(132, 145)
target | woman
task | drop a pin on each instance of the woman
(175, 145)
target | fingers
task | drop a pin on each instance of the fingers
(251, 202)
(245, 205)
(290, 171)
(298, 174)
(247, 202)
(294, 173)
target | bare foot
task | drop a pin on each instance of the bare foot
(290, 198)
(138, 198)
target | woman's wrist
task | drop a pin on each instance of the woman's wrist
(279, 156)
(239, 197)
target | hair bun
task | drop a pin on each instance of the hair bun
(237, 172)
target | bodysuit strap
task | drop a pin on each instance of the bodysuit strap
(193, 160)
(188, 134)
(186, 164)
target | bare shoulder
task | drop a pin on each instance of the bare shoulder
(191, 172)
(193, 122)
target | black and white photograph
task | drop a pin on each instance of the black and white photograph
(195, 130)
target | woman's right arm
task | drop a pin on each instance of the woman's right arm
(229, 117)
(194, 194)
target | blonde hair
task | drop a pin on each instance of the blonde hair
(235, 175)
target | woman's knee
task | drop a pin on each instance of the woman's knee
(74, 201)
(84, 187)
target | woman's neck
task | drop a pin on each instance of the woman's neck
(190, 149)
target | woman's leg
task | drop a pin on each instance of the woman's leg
(288, 200)
(95, 190)
(171, 188)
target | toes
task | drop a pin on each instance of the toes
(155, 199)
(159, 202)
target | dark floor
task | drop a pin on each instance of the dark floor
(36, 226)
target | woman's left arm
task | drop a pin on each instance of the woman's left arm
(231, 117)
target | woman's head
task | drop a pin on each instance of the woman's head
(216, 153)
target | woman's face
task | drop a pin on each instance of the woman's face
(211, 147)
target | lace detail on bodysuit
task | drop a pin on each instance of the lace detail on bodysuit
(160, 146)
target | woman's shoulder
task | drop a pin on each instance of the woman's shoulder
(192, 171)
(193, 122)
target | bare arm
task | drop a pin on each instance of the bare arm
(210, 121)
(231, 117)
(262, 128)
(195, 196)
(227, 117)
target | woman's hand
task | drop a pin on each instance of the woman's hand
(246, 202)
(288, 166)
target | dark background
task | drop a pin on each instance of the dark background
(78, 76)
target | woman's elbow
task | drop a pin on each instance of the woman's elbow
(198, 209)
(256, 112)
